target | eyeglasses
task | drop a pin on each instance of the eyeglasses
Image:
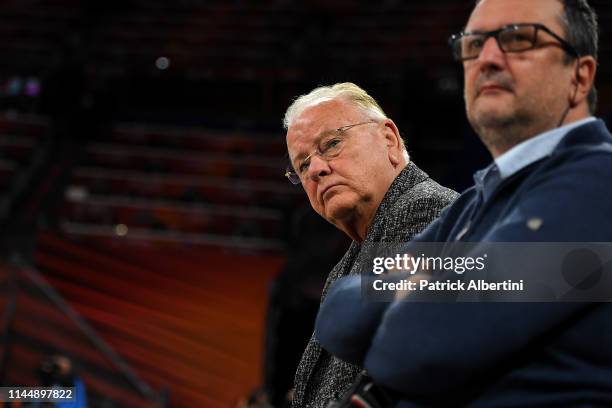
(329, 146)
(511, 38)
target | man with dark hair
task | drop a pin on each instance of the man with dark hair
(529, 68)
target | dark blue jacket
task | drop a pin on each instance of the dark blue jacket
(496, 354)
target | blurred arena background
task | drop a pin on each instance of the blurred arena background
(149, 238)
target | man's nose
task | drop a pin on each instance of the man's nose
(318, 168)
(491, 54)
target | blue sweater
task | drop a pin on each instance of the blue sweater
(496, 354)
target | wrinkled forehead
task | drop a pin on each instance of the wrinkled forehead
(317, 119)
(492, 14)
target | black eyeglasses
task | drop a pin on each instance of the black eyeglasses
(511, 38)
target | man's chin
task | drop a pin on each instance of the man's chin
(492, 119)
(338, 209)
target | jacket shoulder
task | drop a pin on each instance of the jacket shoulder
(429, 194)
(415, 209)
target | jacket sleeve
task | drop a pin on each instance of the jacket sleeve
(345, 324)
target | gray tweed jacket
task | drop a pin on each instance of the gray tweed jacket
(412, 202)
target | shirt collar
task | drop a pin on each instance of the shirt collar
(534, 149)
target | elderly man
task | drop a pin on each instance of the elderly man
(353, 165)
(529, 69)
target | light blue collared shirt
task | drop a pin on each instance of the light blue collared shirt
(534, 149)
(521, 156)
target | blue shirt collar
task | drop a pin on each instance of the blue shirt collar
(533, 149)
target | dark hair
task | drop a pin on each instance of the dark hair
(579, 22)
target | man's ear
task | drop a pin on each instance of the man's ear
(584, 79)
(393, 142)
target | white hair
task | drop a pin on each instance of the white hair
(346, 90)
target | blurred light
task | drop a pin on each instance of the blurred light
(449, 85)
(14, 86)
(121, 230)
(32, 87)
(162, 63)
(76, 193)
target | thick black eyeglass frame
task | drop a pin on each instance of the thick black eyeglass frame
(567, 47)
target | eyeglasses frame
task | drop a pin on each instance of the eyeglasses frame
(565, 45)
(290, 172)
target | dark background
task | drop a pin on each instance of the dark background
(141, 176)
